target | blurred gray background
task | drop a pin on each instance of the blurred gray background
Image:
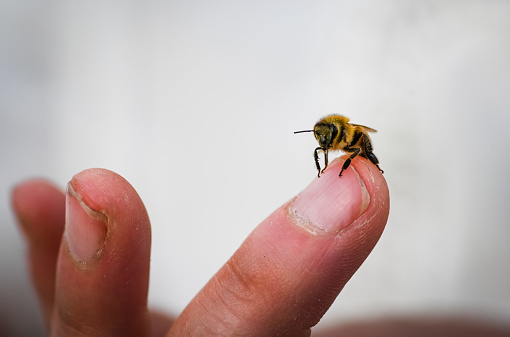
(195, 103)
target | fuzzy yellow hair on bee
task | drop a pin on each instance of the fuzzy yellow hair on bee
(335, 133)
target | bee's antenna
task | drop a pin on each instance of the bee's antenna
(303, 131)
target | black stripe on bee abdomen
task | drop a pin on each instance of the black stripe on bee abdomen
(355, 138)
(343, 134)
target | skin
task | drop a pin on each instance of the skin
(84, 246)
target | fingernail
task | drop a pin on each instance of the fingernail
(331, 203)
(85, 229)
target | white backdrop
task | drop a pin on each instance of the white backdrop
(195, 103)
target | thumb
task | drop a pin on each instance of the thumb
(288, 272)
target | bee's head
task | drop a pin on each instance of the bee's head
(325, 134)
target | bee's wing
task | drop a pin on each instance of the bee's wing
(365, 127)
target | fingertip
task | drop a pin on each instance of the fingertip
(107, 194)
(378, 210)
(331, 203)
(39, 208)
(105, 191)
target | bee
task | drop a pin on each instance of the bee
(335, 133)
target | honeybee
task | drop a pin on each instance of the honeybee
(335, 133)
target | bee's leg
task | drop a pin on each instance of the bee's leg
(317, 164)
(355, 151)
(369, 154)
(325, 161)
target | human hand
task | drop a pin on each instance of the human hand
(89, 254)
